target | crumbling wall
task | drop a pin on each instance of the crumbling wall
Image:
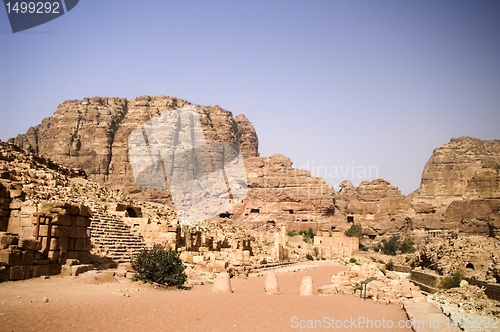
(42, 237)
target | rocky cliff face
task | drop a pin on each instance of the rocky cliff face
(280, 193)
(460, 187)
(377, 205)
(93, 134)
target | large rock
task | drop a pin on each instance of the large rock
(93, 134)
(281, 193)
(377, 205)
(460, 188)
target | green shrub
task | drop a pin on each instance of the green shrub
(159, 265)
(390, 247)
(407, 246)
(452, 281)
(389, 266)
(355, 231)
(309, 257)
(352, 260)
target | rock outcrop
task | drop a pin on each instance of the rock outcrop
(460, 188)
(93, 134)
(277, 192)
(377, 205)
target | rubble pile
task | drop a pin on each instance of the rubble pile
(472, 256)
(386, 286)
(468, 306)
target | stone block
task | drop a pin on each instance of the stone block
(28, 257)
(43, 230)
(28, 209)
(82, 221)
(71, 244)
(4, 273)
(62, 220)
(73, 232)
(53, 256)
(63, 257)
(7, 240)
(29, 243)
(220, 266)
(40, 270)
(82, 244)
(85, 211)
(186, 257)
(20, 272)
(60, 231)
(54, 269)
(15, 193)
(81, 232)
(15, 205)
(10, 257)
(16, 230)
(63, 243)
(222, 283)
(197, 259)
(27, 221)
(82, 256)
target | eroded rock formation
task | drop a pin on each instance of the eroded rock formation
(460, 188)
(377, 205)
(93, 134)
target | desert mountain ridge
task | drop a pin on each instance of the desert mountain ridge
(459, 191)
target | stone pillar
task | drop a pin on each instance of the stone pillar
(222, 283)
(271, 283)
(306, 286)
(239, 255)
(246, 255)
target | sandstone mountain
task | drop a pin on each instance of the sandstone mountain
(460, 188)
(93, 134)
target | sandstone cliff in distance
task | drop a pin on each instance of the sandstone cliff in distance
(459, 191)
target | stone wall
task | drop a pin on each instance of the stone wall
(335, 244)
(4, 207)
(40, 238)
(492, 290)
(427, 281)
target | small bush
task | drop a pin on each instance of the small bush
(390, 247)
(352, 260)
(407, 246)
(452, 281)
(160, 265)
(389, 266)
(309, 257)
(355, 231)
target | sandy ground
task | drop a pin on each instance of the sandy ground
(85, 304)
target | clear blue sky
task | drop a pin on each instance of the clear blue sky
(331, 84)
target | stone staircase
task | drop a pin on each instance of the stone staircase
(111, 237)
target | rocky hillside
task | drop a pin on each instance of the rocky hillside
(460, 188)
(93, 134)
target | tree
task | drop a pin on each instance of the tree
(355, 231)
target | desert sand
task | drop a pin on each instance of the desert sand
(98, 302)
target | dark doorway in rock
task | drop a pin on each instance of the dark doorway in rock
(225, 215)
(350, 219)
(469, 266)
(290, 211)
(254, 210)
(271, 223)
(131, 212)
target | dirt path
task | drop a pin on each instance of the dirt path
(83, 304)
